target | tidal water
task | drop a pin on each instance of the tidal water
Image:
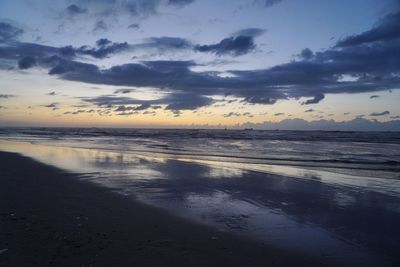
(331, 194)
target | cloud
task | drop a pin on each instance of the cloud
(134, 26)
(309, 110)
(52, 105)
(250, 32)
(186, 101)
(237, 114)
(279, 114)
(100, 26)
(103, 42)
(79, 111)
(67, 51)
(9, 32)
(75, 10)
(312, 78)
(376, 114)
(6, 96)
(18, 50)
(104, 48)
(127, 113)
(165, 43)
(234, 46)
(373, 96)
(232, 114)
(180, 2)
(112, 9)
(369, 67)
(267, 3)
(175, 101)
(140, 107)
(26, 63)
(123, 91)
(52, 93)
(314, 100)
(306, 54)
(387, 30)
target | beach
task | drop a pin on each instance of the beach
(123, 197)
(51, 218)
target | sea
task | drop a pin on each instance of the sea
(327, 194)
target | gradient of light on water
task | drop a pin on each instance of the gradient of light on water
(346, 214)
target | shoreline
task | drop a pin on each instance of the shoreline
(48, 217)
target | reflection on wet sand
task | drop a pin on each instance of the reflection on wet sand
(350, 218)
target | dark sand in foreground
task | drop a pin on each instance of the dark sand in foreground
(50, 218)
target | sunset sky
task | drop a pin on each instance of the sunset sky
(166, 63)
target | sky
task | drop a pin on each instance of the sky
(198, 63)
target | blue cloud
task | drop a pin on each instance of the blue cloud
(9, 32)
(376, 114)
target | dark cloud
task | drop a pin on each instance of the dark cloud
(306, 54)
(52, 93)
(166, 43)
(248, 114)
(123, 91)
(104, 48)
(232, 114)
(18, 50)
(6, 96)
(237, 114)
(67, 51)
(127, 113)
(134, 26)
(76, 10)
(26, 63)
(79, 111)
(314, 100)
(376, 114)
(143, 106)
(103, 42)
(279, 114)
(372, 67)
(180, 2)
(386, 30)
(309, 110)
(100, 26)
(9, 32)
(128, 108)
(52, 105)
(250, 32)
(268, 3)
(147, 112)
(138, 8)
(373, 96)
(60, 66)
(177, 101)
(234, 46)
(186, 101)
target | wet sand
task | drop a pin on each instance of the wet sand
(50, 218)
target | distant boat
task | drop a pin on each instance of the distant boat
(248, 129)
